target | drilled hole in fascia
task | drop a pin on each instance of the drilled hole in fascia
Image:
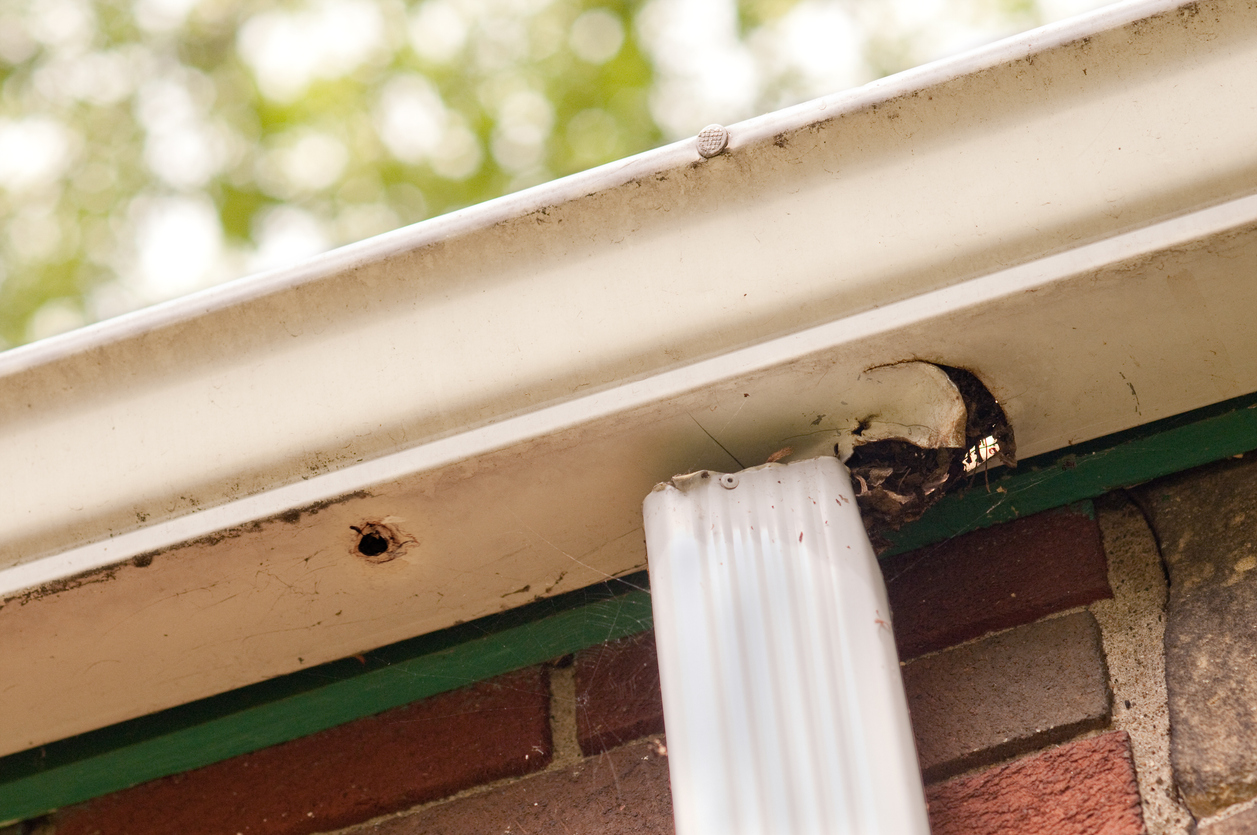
(372, 545)
(378, 542)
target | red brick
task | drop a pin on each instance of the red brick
(995, 578)
(617, 693)
(1083, 788)
(344, 775)
(621, 792)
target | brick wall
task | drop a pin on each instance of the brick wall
(1032, 656)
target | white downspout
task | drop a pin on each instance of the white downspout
(782, 695)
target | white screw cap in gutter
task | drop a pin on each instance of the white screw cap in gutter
(783, 700)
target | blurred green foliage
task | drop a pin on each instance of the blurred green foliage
(151, 148)
(428, 108)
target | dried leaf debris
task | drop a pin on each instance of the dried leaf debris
(896, 481)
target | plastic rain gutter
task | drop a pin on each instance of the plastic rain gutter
(781, 689)
(462, 416)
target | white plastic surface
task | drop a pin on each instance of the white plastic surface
(783, 701)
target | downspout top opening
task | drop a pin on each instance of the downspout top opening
(896, 481)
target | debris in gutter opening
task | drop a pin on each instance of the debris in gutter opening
(896, 481)
(978, 457)
(784, 452)
(986, 421)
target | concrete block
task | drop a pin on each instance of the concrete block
(1206, 523)
(1007, 694)
(1241, 823)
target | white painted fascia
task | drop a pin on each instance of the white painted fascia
(1070, 214)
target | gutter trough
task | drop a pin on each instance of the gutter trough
(463, 416)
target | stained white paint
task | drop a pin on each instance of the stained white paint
(1068, 218)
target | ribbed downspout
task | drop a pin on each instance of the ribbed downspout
(783, 700)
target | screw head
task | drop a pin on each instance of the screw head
(712, 140)
(729, 481)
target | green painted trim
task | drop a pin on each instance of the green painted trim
(1089, 470)
(265, 714)
(197, 734)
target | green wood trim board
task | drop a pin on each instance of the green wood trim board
(1088, 470)
(73, 770)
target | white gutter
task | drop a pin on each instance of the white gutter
(785, 709)
(1069, 214)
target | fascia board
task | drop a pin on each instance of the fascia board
(1067, 213)
(248, 719)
